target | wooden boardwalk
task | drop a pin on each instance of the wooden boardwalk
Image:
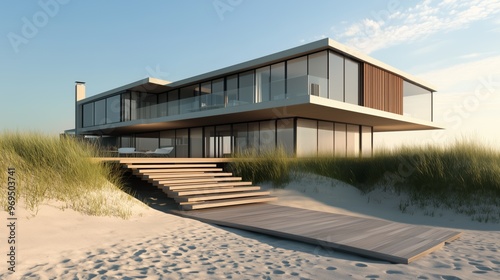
(379, 239)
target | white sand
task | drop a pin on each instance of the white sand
(153, 245)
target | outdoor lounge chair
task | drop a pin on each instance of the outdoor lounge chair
(161, 151)
(126, 151)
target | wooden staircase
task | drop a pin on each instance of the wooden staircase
(198, 185)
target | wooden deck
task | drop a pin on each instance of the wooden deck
(379, 239)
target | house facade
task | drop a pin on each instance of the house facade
(321, 98)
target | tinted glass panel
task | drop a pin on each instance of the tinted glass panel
(325, 138)
(240, 137)
(147, 141)
(340, 139)
(187, 101)
(263, 84)
(162, 105)
(351, 82)
(318, 74)
(246, 86)
(352, 140)
(182, 142)
(278, 81)
(223, 141)
(336, 77)
(267, 136)
(167, 139)
(307, 137)
(218, 93)
(232, 90)
(285, 136)
(88, 114)
(296, 83)
(417, 102)
(113, 109)
(173, 102)
(253, 137)
(126, 107)
(196, 142)
(209, 135)
(206, 95)
(100, 112)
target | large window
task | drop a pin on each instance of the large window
(126, 107)
(100, 112)
(267, 138)
(147, 141)
(232, 90)
(167, 139)
(351, 82)
(113, 109)
(263, 85)
(285, 136)
(325, 138)
(253, 137)
(187, 103)
(318, 74)
(307, 137)
(352, 140)
(246, 86)
(196, 142)
(240, 138)
(278, 81)
(88, 114)
(340, 139)
(336, 76)
(181, 143)
(173, 102)
(219, 99)
(296, 77)
(209, 135)
(417, 102)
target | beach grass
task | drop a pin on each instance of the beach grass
(61, 168)
(464, 176)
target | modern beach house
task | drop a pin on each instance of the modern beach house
(321, 98)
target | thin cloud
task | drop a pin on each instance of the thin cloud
(387, 28)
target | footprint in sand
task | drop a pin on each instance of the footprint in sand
(361, 265)
(372, 276)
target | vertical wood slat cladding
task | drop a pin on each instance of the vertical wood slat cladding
(382, 90)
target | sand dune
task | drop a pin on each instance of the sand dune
(154, 245)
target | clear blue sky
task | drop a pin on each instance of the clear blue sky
(46, 45)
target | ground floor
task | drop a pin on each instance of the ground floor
(295, 136)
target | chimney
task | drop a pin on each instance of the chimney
(79, 95)
(79, 91)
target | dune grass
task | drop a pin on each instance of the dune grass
(54, 168)
(464, 176)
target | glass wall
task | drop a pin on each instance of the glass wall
(318, 78)
(296, 78)
(147, 141)
(285, 136)
(278, 81)
(219, 99)
(240, 137)
(182, 143)
(196, 142)
(307, 137)
(263, 84)
(340, 139)
(336, 76)
(126, 107)
(209, 135)
(246, 87)
(351, 82)
(113, 109)
(223, 141)
(326, 138)
(353, 146)
(88, 114)
(173, 102)
(267, 136)
(253, 137)
(417, 102)
(187, 103)
(232, 90)
(167, 139)
(100, 112)
(366, 141)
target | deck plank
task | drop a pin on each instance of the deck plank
(385, 240)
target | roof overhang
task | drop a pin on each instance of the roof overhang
(311, 107)
(150, 85)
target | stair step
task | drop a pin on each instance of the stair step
(174, 194)
(228, 202)
(138, 166)
(177, 175)
(178, 170)
(208, 180)
(206, 186)
(196, 198)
